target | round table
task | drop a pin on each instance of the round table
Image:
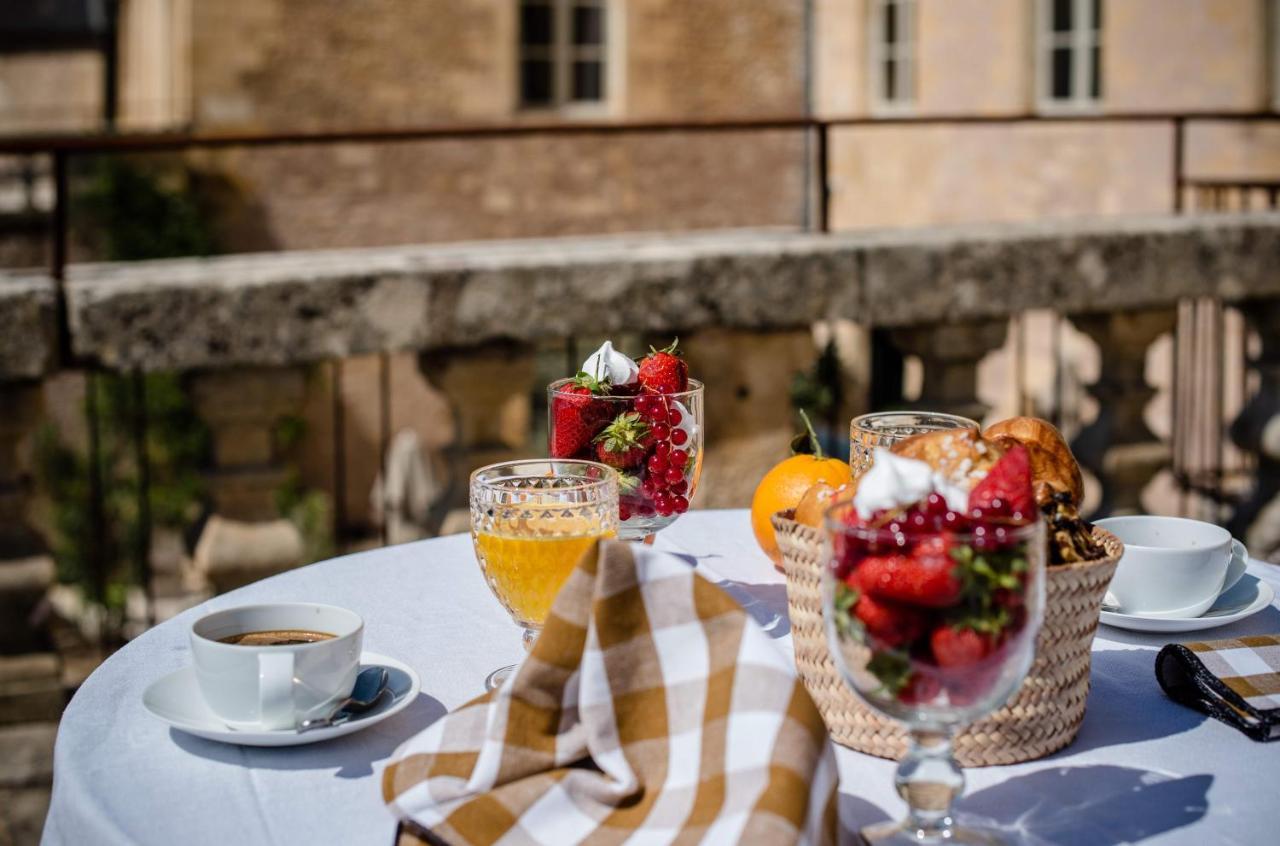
(1142, 767)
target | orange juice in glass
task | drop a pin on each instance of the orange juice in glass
(530, 522)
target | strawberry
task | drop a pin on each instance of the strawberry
(663, 371)
(888, 622)
(625, 442)
(927, 576)
(1006, 490)
(576, 416)
(919, 689)
(954, 646)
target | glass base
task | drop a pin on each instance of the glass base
(905, 834)
(495, 679)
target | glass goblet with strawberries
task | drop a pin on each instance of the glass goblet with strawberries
(644, 419)
(931, 615)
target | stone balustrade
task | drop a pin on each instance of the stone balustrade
(945, 294)
(278, 309)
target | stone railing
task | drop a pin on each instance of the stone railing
(246, 326)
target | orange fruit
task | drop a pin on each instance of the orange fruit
(784, 486)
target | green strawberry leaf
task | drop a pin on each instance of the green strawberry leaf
(627, 483)
(892, 669)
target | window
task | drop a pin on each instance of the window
(562, 53)
(1069, 54)
(893, 54)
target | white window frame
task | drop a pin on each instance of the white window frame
(1083, 37)
(563, 52)
(902, 54)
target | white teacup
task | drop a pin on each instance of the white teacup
(1172, 566)
(265, 688)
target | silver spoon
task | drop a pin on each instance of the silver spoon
(371, 683)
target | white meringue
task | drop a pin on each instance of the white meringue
(609, 365)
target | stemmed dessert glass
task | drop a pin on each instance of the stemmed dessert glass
(933, 667)
(530, 523)
(659, 478)
(886, 428)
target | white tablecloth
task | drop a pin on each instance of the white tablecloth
(1142, 768)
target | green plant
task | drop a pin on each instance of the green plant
(128, 210)
(819, 388)
(176, 446)
(308, 509)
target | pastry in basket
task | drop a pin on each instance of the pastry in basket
(1058, 485)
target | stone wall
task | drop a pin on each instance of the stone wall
(303, 64)
(714, 57)
(50, 92)
(349, 195)
(1185, 55)
(948, 174)
(973, 57)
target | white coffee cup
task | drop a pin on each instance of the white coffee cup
(1172, 566)
(265, 688)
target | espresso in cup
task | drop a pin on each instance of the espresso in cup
(277, 637)
(268, 667)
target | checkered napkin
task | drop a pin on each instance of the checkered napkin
(652, 709)
(1236, 680)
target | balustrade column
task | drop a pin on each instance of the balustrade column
(243, 408)
(1257, 431)
(490, 394)
(950, 355)
(1118, 447)
(246, 539)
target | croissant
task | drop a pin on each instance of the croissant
(1053, 467)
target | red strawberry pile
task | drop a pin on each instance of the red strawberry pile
(640, 429)
(936, 595)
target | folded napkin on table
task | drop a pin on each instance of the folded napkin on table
(651, 707)
(1236, 681)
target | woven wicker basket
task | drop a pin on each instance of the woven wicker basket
(1042, 716)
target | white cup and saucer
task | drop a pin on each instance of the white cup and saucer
(1179, 575)
(258, 671)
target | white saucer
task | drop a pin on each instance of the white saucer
(1246, 598)
(176, 700)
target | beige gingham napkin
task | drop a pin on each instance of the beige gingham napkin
(1236, 680)
(652, 709)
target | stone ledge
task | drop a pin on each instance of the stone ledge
(299, 307)
(28, 326)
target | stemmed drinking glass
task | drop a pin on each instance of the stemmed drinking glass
(530, 522)
(933, 657)
(886, 428)
(657, 477)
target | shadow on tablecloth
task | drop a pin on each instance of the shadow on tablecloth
(1098, 805)
(353, 756)
(1126, 704)
(1068, 806)
(766, 603)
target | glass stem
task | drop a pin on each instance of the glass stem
(929, 780)
(529, 636)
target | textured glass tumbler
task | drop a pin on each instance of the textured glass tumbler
(658, 479)
(886, 428)
(530, 522)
